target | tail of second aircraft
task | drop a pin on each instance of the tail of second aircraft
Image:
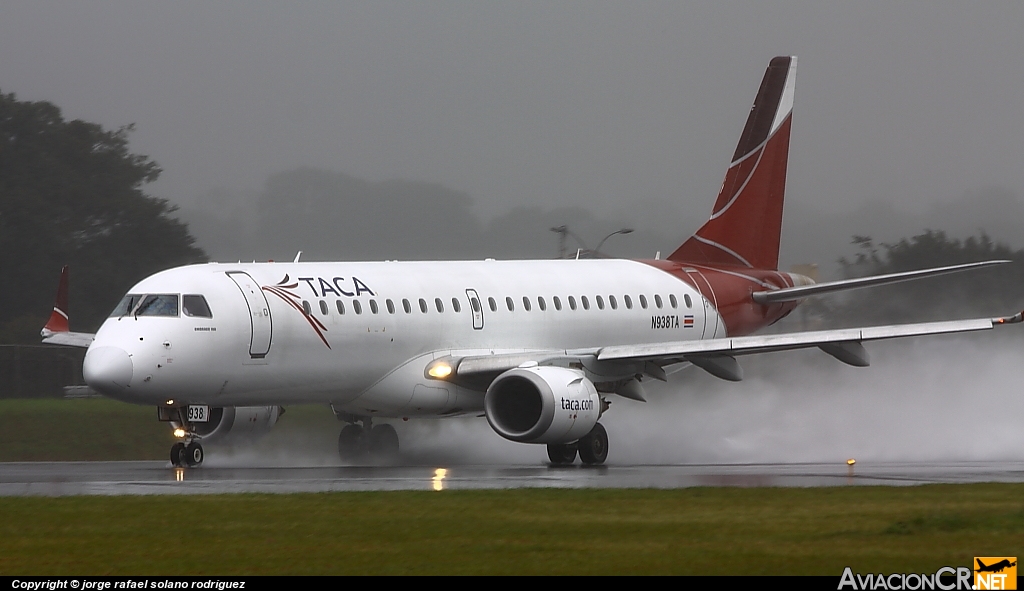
(746, 223)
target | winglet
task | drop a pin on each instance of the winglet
(1018, 317)
(56, 331)
(59, 317)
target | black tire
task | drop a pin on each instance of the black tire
(350, 444)
(384, 441)
(562, 453)
(178, 454)
(193, 454)
(594, 446)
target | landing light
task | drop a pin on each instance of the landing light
(179, 433)
(851, 462)
(170, 402)
(440, 371)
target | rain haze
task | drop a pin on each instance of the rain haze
(502, 119)
(623, 109)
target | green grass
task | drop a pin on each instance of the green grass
(87, 429)
(689, 531)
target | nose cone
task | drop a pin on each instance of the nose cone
(107, 370)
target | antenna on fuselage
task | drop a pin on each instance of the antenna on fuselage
(297, 255)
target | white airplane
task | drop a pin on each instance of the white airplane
(537, 347)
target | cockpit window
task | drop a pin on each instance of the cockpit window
(158, 305)
(195, 306)
(126, 305)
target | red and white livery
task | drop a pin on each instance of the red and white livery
(537, 347)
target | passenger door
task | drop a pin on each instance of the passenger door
(259, 314)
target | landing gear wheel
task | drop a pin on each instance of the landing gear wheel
(384, 441)
(350, 442)
(562, 453)
(178, 454)
(193, 454)
(594, 446)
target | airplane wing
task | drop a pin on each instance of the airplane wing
(716, 356)
(56, 331)
(71, 339)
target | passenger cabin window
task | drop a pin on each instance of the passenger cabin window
(493, 304)
(323, 307)
(613, 303)
(629, 301)
(657, 301)
(558, 303)
(526, 303)
(643, 301)
(439, 304)
(307, 308)
(406, 306)
(508, 303)
(373, 306)
(341, 307)
(541, 303)
(456, 305)
(672, 300)
(390, 305)
(475, 303)
(423, 305)
(357, 306)
(572, 302)
(686, 299)
(600, 303)
(585, 302)
(126, 305)
(158, 305)
(195, 306)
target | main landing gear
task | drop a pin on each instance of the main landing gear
(592, 448)
(187, 454)
(378, 442)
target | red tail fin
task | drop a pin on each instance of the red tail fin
(59, 317)
(746, 223)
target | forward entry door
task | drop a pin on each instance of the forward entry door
(259, 314)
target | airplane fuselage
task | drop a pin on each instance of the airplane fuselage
(359, 335)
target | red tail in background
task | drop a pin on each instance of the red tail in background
(746, 223)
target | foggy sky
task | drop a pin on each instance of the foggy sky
(592, 104)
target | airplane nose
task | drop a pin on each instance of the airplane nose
(107, 369)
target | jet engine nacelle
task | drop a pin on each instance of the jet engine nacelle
(542, 405)
(238, 422)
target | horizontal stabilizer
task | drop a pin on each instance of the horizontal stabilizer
(800, 292)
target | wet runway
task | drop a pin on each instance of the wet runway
(143, 478)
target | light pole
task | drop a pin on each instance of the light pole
(622, 231)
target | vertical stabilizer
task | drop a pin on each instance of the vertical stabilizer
(746, 223)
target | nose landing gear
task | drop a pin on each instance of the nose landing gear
(187, 454)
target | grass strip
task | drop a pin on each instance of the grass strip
(688, 531)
